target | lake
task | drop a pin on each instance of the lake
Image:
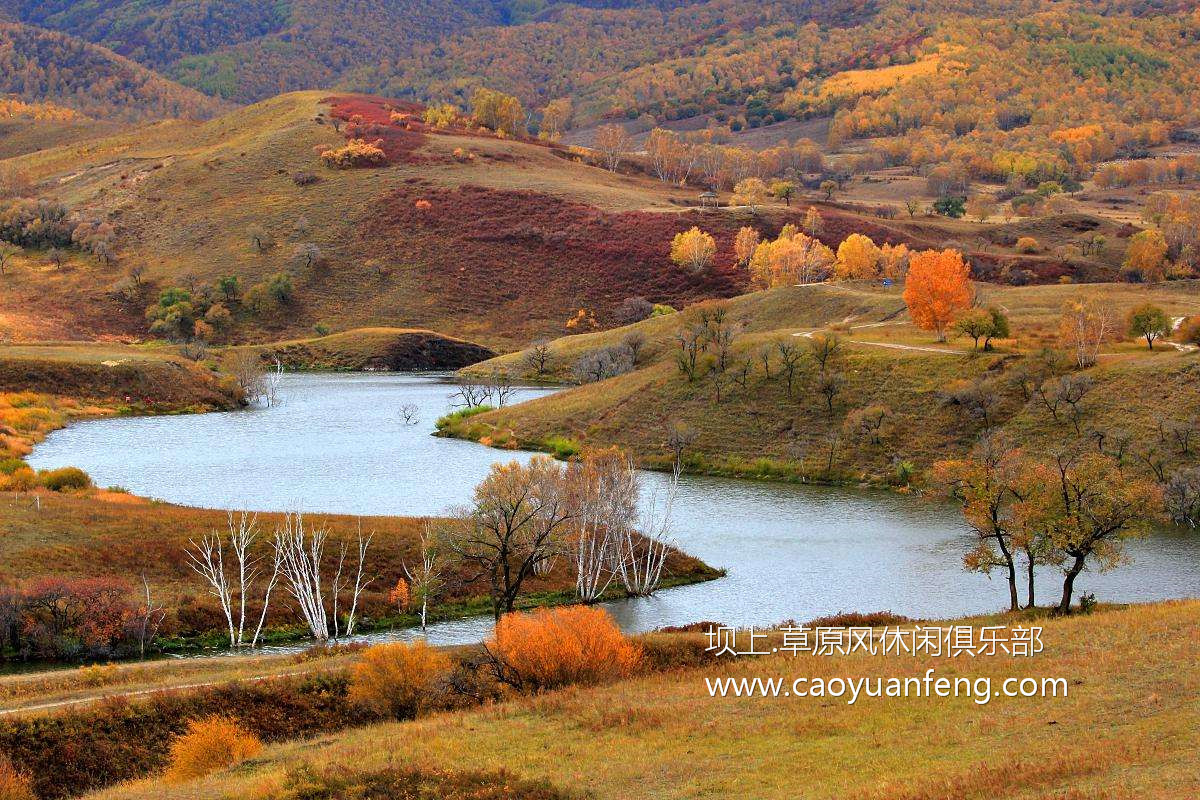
(338, 443)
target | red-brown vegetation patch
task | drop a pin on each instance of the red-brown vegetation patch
(534, 254)
(395, 126)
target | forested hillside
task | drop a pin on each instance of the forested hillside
(44, 66)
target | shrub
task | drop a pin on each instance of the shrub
(208, 745)
(14, 785)
(662, 310)
(355, 153)
(398, 679)
(64, 479)
(558, 647)
(448, 420)
(19, 480)
(563, 447)
(1028, 245)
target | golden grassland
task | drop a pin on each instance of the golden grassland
(759, 430)
(1125, 730)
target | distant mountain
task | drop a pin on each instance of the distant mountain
(50, 67)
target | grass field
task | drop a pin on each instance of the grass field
(664, 736)
(758, 429)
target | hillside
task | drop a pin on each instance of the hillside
(743, 420)
(662, 735)
(45, 66)
(494, 240)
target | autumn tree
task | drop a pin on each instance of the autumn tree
(744, 245)
(751, 192)
(783, 190)
(983, 324)
(516, 520)
(829, 187)
(498, 112)
(1088, 508)
(1146, 258)
(814, 225)
(612, 143)
(937, 289)
(988, 486)
(7, 251)
(1149, 322)
(556, 118)
(693, 249)
(793, 258)
(857, 258)
(981, 207)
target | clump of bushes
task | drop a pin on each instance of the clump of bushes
(65, 479)
(1028, 245)
(562, 447)
(398, 679)
(208, 745)
(270, 294)
(355, 153)
(554, 647)
(446, 422)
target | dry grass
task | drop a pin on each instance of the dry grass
(759, 430)
(1127, 729)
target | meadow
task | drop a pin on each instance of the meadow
(662, 735)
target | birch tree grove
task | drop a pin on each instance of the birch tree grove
(208, 559)
(300, 552)
(603, 488)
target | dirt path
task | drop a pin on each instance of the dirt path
(101, 695)
(943, 351)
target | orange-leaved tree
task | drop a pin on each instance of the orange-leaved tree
(744, 244)
(937, 289)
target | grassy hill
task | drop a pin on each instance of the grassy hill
(744, 422)
(1125, 729)
(499, 241)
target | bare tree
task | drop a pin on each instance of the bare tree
(537, 357)
(680, 437)
(151, 616)
(612, 143)
(501, 387)
(790, 357)
(340, 583)
(299, 552)
(410, 413)
(246, 367)
(207, 558)
(643, 557)
(471, 395)
(425, 579)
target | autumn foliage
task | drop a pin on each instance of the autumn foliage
(208, 745)
(398, 679)
(693, 249)
(937, 290)
(556, 647)
(14, 785)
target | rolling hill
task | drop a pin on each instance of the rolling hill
(46, 66)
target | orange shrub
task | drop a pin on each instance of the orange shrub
(561, 646)
(208, 745)
(398, 679)
(14, 785)
(356, 153)
(1028, 244)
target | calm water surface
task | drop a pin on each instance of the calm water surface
(338, 444)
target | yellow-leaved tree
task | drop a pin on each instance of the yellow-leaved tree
(857, 258)
(791, 259)
(693, 249)
(744, 245)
